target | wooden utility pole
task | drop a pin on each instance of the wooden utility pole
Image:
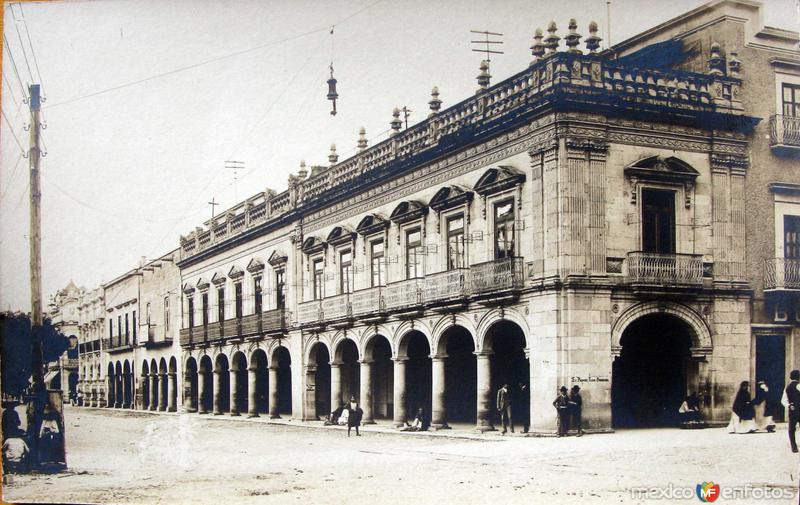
(34, 155)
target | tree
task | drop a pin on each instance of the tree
(15, 349)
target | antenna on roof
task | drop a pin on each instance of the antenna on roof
(235, 166)
(608, 23)
(487, 43)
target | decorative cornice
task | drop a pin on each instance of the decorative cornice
(786, 188)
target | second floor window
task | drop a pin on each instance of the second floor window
(110, 328)
(190, 309)
(257, 294)
(237, 291)
(414, 254)
(280, 288)
(504, 243)
(127, 329)
(119, 327)
(791, 237)
(377, 263)
(319, 278)
(205, 309)
(133, 326)
(455, 242)
(221, 304)
(166, 314)
(658, 221)
(791, 99)
(346, 272)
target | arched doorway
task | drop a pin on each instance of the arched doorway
(238, 384)
(119, 394)
(346, 357)
(190, 385)
(378, 355)
(319, 376)
(154, 387)
(509, 365)
(163, 385)
(111, 387)
(127, 385)
(172, 401)
(222, 385)
(460, 381)
(649, 378)
(415, 347)
(205, 386)
(144, 386)
(281, 399)
(259, 396)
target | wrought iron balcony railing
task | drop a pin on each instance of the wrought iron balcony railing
(784, 132)
(446, 286)
(367, 301)
(336, 307)
(309, 312)
(503, 274)
(664, 269)
(781, 274)
(116, 344)
(403, 294)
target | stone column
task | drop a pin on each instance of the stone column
(484, 420)
(438, 413)
(235, 400)
(162, 392)
(273, 393)
(217, 393)
(153, 391)
(172, 392)
(252, 391)
(201, 392)
(310, 394)
(366, 391)
(336, 385)
(400, 413)
(126, 391)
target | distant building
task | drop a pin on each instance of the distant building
(62, 374)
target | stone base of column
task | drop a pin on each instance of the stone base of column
(172, 409)
(437, 427)
(235, 414)
(274, 416)
(252, 414)
(189, 410)
(483, 428)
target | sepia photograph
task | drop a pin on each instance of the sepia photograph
(366, 252)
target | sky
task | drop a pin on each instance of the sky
(147, 99)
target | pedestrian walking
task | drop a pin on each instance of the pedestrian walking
(576, 408)
(561, 403)
(354, 417)
(504, 407)
(743, 413)
(763, 407)
(791, 400)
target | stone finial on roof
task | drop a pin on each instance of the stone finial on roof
(573, 38)
(435, 104)
(484, 77)
(592, 41)
(716, 63)
(551, 41)
(734, 64)
(537, 49)
(302, 173)
(396, 124)
(333, 158)
(362, 139)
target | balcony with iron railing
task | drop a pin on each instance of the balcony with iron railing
(784, 134)
(157, 337)
(117, 344)
(403, 295)
(781, 274)
(658, 269)
(367, 302)
(500, 275)
(265, 323)
(447, 286)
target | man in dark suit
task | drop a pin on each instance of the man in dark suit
(504, 407)
(792, 397)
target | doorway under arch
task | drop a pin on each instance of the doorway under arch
(282, 361)
(506, 340)
(419, 371)
(378, 352)
(461, 375)
(650, 377)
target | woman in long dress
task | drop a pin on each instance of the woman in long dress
(763, 408)
(743, 411)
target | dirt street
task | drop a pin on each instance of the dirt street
(134, 457)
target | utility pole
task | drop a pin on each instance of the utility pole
(34, 156)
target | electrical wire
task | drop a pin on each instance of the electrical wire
(7, 46)
(12, 131)
(11, 179)
(33, 52)
(9, 88)
(21, 45)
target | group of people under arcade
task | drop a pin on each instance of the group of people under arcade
(569, 409)
(347, 414)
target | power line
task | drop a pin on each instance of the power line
(33, 53)
(10, 89)
(188, 67)
(14, 64)
(12, 131)
(11, 178)
(21, 45)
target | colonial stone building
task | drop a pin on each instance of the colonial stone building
(62, 374)
(576, 223)
(91, 324)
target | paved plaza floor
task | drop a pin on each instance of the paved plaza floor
(138, 457)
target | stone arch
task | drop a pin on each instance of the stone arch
(447, 322)
(239, 386)
(311, 350)
(701, 334)
(190, 378)
(368, 345)
(259, 395)
(497, 315)
(336, 345)
(403, 335)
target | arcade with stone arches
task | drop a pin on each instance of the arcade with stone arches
(155, 388)
(661, 354)
(252, 382)
(452, 370)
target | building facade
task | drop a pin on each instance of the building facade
(91, 321)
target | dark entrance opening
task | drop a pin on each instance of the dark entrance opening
(259, 361)
(205, 400)
(380, 351)
(418, 374)
(322, 381)
(770, 368)
(284, 380)
(223, 371)
(189, 385)
(461, 376)
(350, 372)
(649, 378)
(510, 366)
